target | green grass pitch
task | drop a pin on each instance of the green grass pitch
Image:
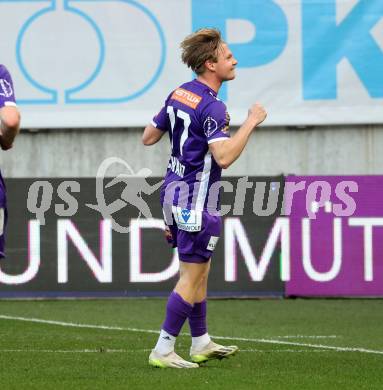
(285, 344)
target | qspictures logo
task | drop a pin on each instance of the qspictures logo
(265, 196)
(309, 231)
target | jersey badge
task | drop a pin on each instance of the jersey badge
(210, 126)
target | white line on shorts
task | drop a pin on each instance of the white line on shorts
(254, 340)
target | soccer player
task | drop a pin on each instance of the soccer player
(198, 125)
(9, 128)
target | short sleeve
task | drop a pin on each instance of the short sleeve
(160, 120)
(215, 122)
(7, 95)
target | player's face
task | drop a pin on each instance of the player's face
(225, 65)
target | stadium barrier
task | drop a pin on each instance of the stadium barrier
(281, 236)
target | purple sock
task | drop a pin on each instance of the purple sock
(177, 310)
(197, 319)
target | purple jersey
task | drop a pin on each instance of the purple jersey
(194, 118)
(7, 96)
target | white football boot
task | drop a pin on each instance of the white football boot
(212, 351)
(171, 360)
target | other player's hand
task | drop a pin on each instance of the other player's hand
(168, 235)
(257, 113)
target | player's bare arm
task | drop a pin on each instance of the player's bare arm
(227, 151)
(151, 135)
(9, 127)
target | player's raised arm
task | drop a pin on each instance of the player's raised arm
(227, 151)
(10, 126)
(9, 114)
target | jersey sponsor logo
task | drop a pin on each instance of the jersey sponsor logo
(210, 126)
(187, 220)
(188, 98)
(176, 167)
(185, 213)
(212, 243)
(5, 88)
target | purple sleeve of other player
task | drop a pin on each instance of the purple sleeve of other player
(3, 216)
(215, 122)
(7, 96)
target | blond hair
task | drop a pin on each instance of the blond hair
(199, 47)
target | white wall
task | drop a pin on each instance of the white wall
(78, 153)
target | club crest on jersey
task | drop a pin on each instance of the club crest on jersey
(210, 126)
(5, 88)
(188, 220)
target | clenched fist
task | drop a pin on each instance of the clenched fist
(257, 113)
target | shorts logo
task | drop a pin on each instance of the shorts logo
(188, 220)
(6, 88)
(188, 98)
(210, 126)
(212, 243)
(185, 213)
